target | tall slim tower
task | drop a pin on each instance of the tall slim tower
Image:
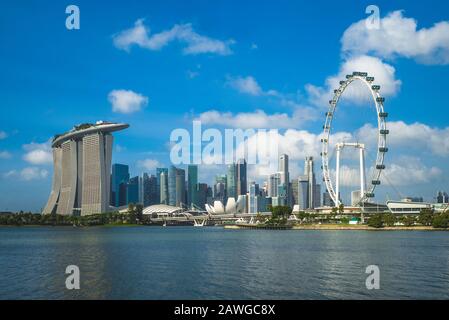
(309, 172)
(192, 185)
(241, 177)
(82, 169)
(231, 178)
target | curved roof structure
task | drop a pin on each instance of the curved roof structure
(162, 208)
(86, 129)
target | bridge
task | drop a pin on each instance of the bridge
(202, 219)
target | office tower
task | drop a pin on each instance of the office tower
(274, 181)
(241, 177)
(148, 190)
(309, 172)
(303, 192)
(219, 191)
(282, 194)
(82, 169)
(192, 185)
(295, 191)
(253, 197)
(120, 175)
(202, 191)
(158, 177)
(181, 188)
(231, 178)
(327, 200)
(163, 192)
(210, 196)
(132, 191)
(442, 197)
(317, 196)
(172, 185)
(284, 177)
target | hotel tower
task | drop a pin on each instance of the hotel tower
(82, 169)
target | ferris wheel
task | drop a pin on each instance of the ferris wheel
(382, 132)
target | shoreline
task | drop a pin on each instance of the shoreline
(336, 227)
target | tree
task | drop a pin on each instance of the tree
(409, 221)
(341, 208)
(376, 221)
(425, 217)
(389, 219)
(441, 221)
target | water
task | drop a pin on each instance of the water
(214, 263)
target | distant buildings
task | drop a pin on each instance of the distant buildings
(192, 185)
(82, 170)
(241, 180)
(176, 187)
(231, 181)
(119, 179)
(442, 197)
(355, 198)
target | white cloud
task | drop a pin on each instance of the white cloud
(383, 73)
(27, 174)
(258, 119)
(5, 155)
(399, 36)
(3, 135)
(33, 173)
(416, 136)
(149, 164)
(38, 153)
(126, 101)
(247, 85)
(194, 43)
(409, 171)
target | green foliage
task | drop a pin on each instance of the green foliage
(24, 219)
(426, 217)
(441, 220)
(341, 208)
(376, 221)
(389, 219)
(281, 211)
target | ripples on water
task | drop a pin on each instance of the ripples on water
(214, 263)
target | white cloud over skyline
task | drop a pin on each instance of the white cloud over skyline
(399, 36)
(126, 101)
(38, 153)
(194, 43)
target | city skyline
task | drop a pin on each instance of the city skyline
(276, 74)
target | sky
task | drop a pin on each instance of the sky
(230, 64)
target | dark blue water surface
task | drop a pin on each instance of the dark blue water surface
(215, 263)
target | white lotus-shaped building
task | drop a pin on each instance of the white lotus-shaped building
(232, 206)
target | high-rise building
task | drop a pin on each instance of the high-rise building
(303, 192)
(176, 187)
(309, 172)
(82, 169)
(284, 178)
(120, 175)
(327, 200)
(442, 197)
(202, 191)
(148, 194)
(274, 181)
(163, 193)
(253, 197)
(181, 188)
(241, 177)
(159, 187)
(295, 191)
(231, 178)
(132, 191)
(219, 191)
(192, 185)
(317, 196)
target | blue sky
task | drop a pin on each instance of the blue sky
(274, 56)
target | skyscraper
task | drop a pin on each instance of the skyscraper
(231, 178)
(163, 193)
(148, 190)
(176, 187)
(192, 185)
(82, 169)
(120, 175)
(172, 185)
(132, 191)
(274, 180)
(241, 177)
(253, 197)
(160, 187)
(284, 178)
(309, 172)
(303, 192)
(219, 191)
